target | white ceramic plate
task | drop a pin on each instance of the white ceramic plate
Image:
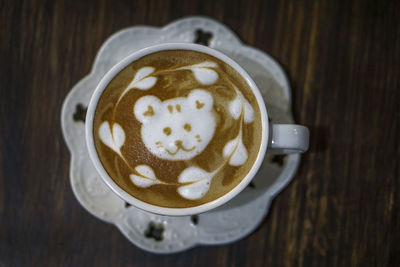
(163, 234)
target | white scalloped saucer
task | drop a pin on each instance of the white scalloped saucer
(226, 224)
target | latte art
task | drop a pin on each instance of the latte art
(168, 129)
(177, 128)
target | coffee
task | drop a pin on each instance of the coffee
(177, 128)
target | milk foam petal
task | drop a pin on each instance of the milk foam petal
(239, 156)
(118, 135)
(205, 64)
(147, 177)
(195, 190)
(200, 183)
(146, 83)
(236, 151)
(141, 81)
(235, 108)
(230, 147)
(113, 140)
(248, 112)
(145, 171)
(204, 73)
(205, 76)
(142, 73)
(105, 135)
(142, 182)
(192, 174)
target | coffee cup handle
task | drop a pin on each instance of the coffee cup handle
(288, 139)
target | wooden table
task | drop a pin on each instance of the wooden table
(343, 60)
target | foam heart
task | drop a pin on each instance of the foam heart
(199, 183)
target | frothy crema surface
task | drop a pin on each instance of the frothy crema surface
(177, 128)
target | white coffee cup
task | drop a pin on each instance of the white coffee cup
(277, 138)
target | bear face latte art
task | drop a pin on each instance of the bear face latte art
(177, 128)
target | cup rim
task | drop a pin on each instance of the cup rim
(165, 210)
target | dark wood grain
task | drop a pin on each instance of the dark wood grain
(343, 60)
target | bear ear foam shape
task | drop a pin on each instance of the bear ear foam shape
(200, 100)
(146, 108)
